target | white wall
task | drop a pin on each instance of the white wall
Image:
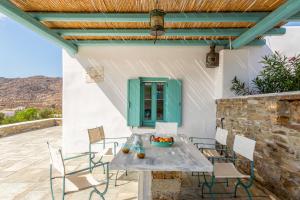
(287, 44)
(243, 63)
(90, 105)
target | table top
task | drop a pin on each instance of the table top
(182, 156)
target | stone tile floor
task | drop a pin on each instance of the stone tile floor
(24, 172)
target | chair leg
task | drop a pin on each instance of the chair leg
(199, 180)
(116, 178)
(235, 188)
(91, 194)
(63, 189)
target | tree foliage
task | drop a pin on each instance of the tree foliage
(27, 114)
(279, 74)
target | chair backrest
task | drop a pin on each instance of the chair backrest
(221, 136)
(244, 146)
(169, 128)
(96, 134)
(56, 159)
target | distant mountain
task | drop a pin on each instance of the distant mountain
(36, 91)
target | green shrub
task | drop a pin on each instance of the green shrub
(28, 114)
(279, 74)
(46, 113)
(1, 117)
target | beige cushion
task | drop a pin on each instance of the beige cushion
(81, 181)
(96, 134)
(227, 170)
(211, 153)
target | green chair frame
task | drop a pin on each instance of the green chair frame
(102, 140)
(65, 175)
(245, 185)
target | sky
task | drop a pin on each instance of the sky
(24, 53)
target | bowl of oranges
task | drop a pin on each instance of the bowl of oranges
(161, 141)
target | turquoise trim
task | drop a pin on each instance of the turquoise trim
(282, 13)
(169, 32)
(294, 18)
(27, 20)
(153, 79)
(161, 42)
(144, 17)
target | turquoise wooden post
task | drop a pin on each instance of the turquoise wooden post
(174, 101)
(134, 102)
(27, 20)
(285, 11)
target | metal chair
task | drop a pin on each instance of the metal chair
(217, 147)
(227, 170)
(96, 138)
(74, 181)
(166, 128)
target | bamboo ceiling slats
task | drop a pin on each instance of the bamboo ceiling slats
(110, 25)
(146, 38)
(147, 5)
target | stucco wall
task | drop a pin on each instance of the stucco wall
(274, 122)
(87, 105)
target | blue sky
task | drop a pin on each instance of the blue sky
(23, 53)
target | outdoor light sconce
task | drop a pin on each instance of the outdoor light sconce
(157, 22)
(212, 58)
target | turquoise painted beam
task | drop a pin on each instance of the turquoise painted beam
(286, 10)
(27, 20)
(160, 42)
(294, 18)
(144, 17)
(169, 32)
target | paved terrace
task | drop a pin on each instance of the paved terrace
(24, 172)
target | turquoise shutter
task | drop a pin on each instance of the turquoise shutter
(173, 101)
(134, 102)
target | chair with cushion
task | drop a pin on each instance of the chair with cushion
(227, 170)
(212, 147)
(74, 181)
(98, 144)
(166, 128)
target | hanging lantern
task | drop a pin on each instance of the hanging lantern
(212, 58)
(157, 22)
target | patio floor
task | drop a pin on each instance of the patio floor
(24, 172)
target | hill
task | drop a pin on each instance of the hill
(36, 91)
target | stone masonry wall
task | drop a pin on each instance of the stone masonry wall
(10, 129)
(274, 122)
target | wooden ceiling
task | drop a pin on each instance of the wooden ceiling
(137, 6)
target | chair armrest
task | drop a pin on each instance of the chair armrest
(85, 169)
(200, 138)
(116, 138)
(77, 156)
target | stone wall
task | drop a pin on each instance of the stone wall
(10, 129)
(274, 122)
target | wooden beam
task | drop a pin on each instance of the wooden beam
(159, 42)
(286, 10)
(144, 17)
(169, 32)
(27, 20)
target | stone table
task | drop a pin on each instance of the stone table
(182, 156)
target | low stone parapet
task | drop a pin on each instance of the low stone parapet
(273, 120)
(21, 127)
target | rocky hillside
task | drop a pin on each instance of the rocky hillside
(36, 91)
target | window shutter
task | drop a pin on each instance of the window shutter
(173, 101)
(134, 102)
